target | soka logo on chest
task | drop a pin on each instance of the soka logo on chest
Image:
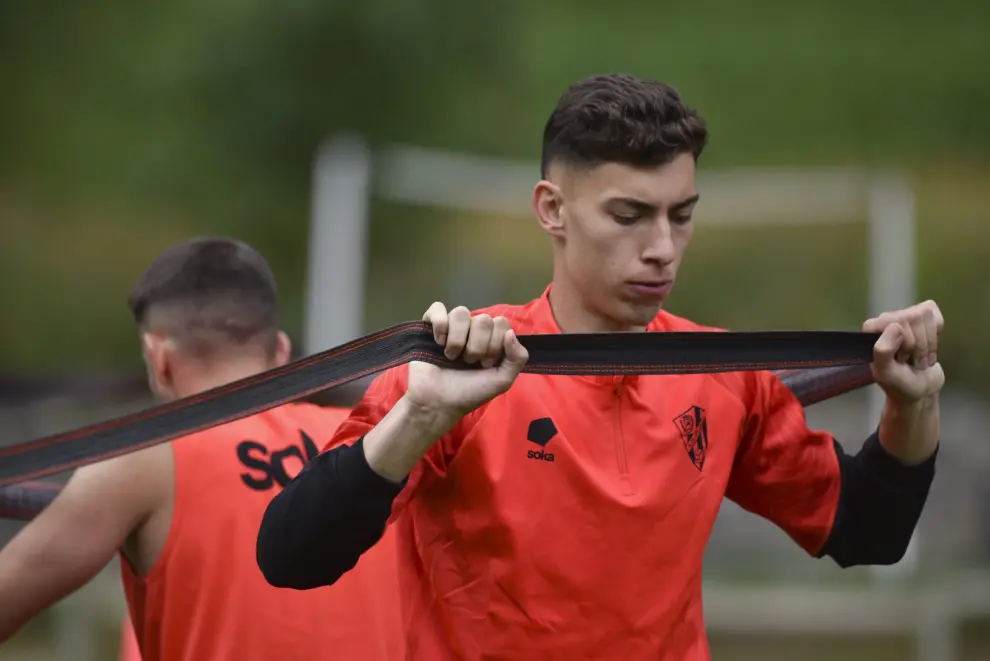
(541, 431)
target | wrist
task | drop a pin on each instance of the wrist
(911, 408)
(423, 420)
(909, 430)
(401, 439)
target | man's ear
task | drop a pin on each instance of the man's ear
(283, 349)
(157, 353)
(547, 203)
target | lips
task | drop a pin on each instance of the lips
(651, 288)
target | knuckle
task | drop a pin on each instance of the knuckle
(458, 319)
(502, 326)
(495, 343)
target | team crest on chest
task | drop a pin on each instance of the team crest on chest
(693, 426)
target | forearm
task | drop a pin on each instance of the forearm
(910, 433)
(14, 612)
(25, 590)
(402, 437)
(17, 611)
(12, 617)
(880, 501)
(316, 529)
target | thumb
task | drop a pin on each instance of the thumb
(888, 344)
(515, 357)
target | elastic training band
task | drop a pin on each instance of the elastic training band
(25, 500)
(558, 354)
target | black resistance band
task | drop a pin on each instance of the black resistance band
(823, 354)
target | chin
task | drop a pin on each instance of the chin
(639, 315)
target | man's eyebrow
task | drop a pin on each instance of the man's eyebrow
(637, 204)
(647, 208)
(685, 203)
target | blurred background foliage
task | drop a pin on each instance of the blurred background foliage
(125, 127)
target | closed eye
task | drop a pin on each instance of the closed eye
(680, 213)
(626, 219)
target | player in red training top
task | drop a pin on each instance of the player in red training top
(184, 515)
(546, 517)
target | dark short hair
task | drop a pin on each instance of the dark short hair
(214, 284)
(620, 118)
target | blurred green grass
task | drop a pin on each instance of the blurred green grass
(128, 129)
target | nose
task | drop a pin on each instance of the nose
(660, 248)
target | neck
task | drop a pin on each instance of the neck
(574, 315)
(195, 380)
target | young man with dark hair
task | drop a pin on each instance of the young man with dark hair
(184, 515)
(546, 517)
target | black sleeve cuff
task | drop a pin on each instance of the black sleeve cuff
(889, 471)
(357, 478)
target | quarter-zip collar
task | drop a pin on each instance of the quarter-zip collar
(544, 322)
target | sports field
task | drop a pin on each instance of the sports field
(132, 127)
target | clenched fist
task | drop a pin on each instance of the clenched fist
(905, 357)
(452, 394)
